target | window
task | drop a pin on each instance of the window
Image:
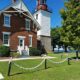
(42, 1)
(27, 24)
(7, 20)
(36, 16)
(6, 36)
(30, 40)
(21, 42)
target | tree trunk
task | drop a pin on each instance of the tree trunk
(65, 48)
(58, 48)
(53, 48)
(77, 56)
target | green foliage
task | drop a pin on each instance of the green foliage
(15, 54)
(34, 51)
(4, 51)
(56, 34)
(70, 34)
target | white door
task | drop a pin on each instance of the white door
(21, 42)
(21, 45)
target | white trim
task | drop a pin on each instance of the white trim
(30, 35)
(9, 20)
(8, 33)
(21, 37)
(30, 42)
(27, 19)
(7, 14)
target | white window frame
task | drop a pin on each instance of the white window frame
(22, 38)
(30, 42)
(29, 24)
(8, 33)
(7, 25)
(22, 42)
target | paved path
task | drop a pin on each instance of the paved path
(14, 59)
(1, 77)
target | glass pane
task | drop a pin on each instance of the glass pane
(6, 17)
(30, 40)
(27, 25)
(7, 20)
(21, 42)
(5, 41)
(6, 38)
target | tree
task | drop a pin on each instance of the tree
(71, 24)
(55, 34)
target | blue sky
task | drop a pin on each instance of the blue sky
(54, 5)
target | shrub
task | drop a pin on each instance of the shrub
(34, 52)
(15, 54)
(4, 51)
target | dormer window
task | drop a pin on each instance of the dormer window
(7, 20)
(27, 21)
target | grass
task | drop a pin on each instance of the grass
(53, 72)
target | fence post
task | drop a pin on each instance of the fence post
(61, 56)
(45, 63)
(68, 61)
(9, 68)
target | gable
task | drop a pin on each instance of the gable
(20, 7)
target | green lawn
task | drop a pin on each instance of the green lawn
(53, 72)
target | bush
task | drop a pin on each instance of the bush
(15, 54)
(34, 52)
(4, 51)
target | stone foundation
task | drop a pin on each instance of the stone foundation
(46, 42)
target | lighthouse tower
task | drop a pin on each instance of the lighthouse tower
(42, 15)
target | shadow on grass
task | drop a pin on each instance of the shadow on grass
(16, 74)
(75, 58)
(28, 72)
(58, 52)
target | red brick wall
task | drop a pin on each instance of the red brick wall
(17, 29)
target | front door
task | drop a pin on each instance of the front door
(21, 42)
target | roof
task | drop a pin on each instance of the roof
(20, 6)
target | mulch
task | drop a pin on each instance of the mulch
(1, 58)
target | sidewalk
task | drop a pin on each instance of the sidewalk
(14, 59)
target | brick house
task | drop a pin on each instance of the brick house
(18, 28)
